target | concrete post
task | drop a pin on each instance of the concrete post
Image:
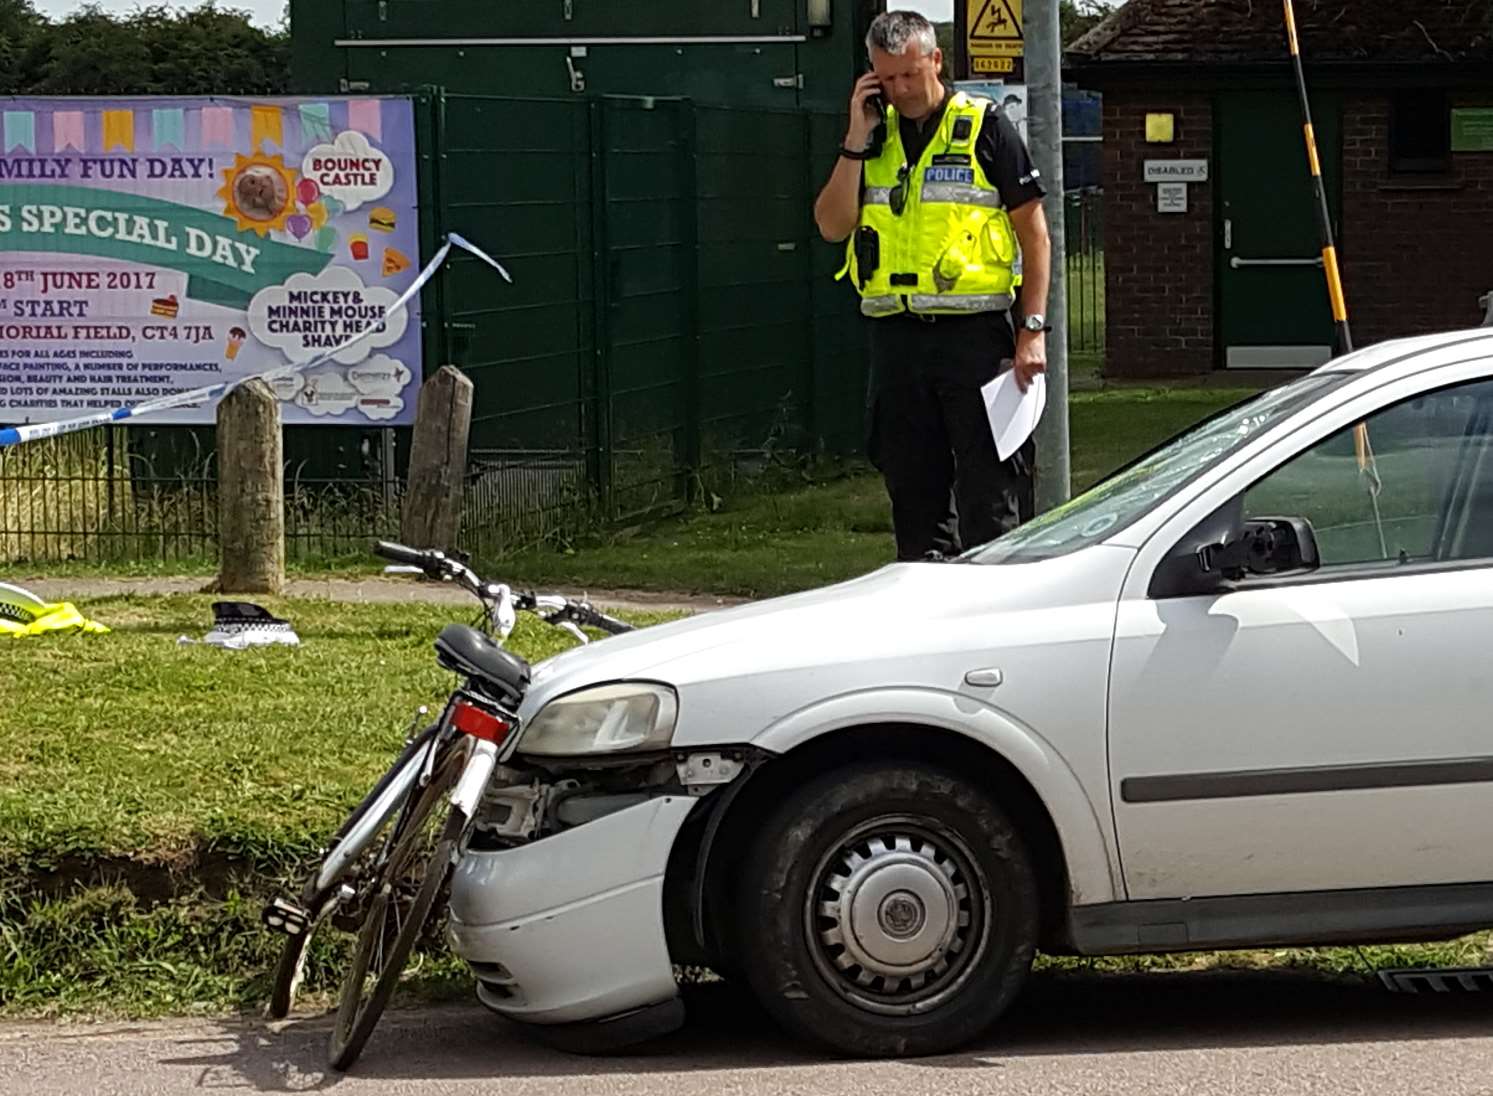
(251, 492)
(438, 461)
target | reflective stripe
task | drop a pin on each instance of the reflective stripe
(880, 306)
(952, 302)
(935, 302)
(962, 193)
(878, 195)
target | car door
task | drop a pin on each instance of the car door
(1328, 730)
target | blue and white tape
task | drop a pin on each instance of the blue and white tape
(15, 435)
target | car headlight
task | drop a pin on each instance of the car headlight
(606, 719)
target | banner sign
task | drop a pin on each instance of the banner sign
(158, 246)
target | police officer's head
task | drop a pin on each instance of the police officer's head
(904, 52)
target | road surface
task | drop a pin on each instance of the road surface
(1293, 1035)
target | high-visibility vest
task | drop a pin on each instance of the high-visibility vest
(951, 248)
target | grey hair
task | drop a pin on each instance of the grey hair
(893, 31)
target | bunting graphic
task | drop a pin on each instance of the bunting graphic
(266, 123)
(119, 130)
(217, 127)
(67, 130)
(316, 123)
(169, 127)
(366, 115)
(20, 130)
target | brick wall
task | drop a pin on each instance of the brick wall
(1416, 255)
(1158, 267)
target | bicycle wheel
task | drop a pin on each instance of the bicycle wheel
(401, 898)
(291, 966)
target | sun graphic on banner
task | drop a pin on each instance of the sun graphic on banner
(258, 192)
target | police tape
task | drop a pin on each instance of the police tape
(15, 435)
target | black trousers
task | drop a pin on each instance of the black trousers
(930, 438)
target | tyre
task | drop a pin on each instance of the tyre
(887, 909)
(399, 902)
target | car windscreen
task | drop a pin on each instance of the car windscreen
(1133, 491)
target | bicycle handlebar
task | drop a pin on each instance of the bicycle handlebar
(400, 554)
(583, 613)
(438, 565)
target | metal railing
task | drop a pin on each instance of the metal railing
(104, 496)
(1083, 237)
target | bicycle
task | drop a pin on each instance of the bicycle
(361, 883)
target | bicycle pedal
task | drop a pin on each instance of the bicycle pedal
(283, 915)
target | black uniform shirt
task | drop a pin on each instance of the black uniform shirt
(903, 345)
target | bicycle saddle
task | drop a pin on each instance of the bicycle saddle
(464, 650)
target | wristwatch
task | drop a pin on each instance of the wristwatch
(1035, 322)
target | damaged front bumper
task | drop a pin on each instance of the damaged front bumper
(557, 902)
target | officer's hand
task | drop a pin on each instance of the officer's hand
(864, 118)
(1031, 357)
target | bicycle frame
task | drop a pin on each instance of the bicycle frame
(366, 825)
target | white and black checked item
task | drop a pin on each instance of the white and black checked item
(239, 624)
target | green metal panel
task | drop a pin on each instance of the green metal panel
(817, 66)
(514, 181)
(486, 19)
(316, 64)
(649, 310)
(839, 332)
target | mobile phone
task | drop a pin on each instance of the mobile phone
(877, 103)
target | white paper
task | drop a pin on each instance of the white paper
(1013, 414)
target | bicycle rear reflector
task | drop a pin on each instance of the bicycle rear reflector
(472, 720)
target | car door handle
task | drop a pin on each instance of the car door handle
(984, 679)
(1237, 262)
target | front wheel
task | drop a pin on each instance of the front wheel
(886, 910)
(398, 906)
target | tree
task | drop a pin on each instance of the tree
(152, 51)
(19, 23)
(1077, 17)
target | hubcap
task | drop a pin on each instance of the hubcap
(897, 915)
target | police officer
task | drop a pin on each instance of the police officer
(934, 192)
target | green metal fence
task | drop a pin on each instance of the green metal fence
(672, 316)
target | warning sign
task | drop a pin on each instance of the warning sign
(993, 36)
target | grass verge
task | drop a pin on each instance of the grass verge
(153, 795)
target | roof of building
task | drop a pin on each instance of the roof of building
(1252, 31)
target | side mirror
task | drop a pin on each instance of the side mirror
(1265, 546)
(1224, 547)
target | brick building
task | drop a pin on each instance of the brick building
(1229, 274)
